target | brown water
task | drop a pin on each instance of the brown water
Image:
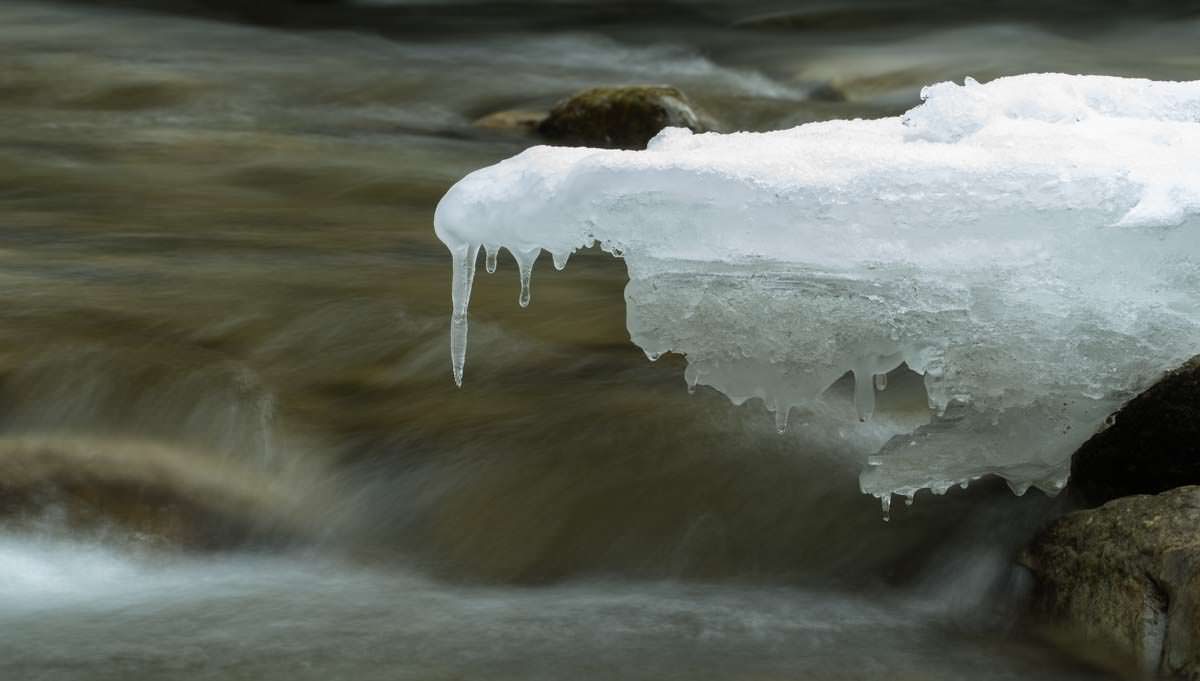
(224, 302)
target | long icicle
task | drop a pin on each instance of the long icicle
(460, 295)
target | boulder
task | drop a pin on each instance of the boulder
(1126, 576)
(1152, 444)
(620, 117)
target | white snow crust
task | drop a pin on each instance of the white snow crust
(1029, 248)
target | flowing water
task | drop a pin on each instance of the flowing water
(230, 445)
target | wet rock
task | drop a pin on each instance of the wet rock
(620, 117)
(1127, 576)
(517, 120)
(1153, 444)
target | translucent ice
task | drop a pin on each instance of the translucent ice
(1027, 249)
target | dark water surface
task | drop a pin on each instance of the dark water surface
(224, 296)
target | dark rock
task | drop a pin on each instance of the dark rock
(1126, 576)
(827, 92)
(620, 117)
(1153, 444)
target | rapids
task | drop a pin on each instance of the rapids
(228, 446)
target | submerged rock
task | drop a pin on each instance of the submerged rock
(153, 493)
(515, 119)
(620, 117)
(1127, 575)
(1152, 444)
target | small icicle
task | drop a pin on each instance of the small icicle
(560, 259)
(864, 394)
(525, 260)
(490, 261)
(908, 498)
(885, 501)
(464, 256)
(881, 382)
(781, 418)
(1019, 488)
(652, 356)
(691, 376)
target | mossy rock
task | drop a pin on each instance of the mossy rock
(1153, 444)
(620, 117)
(1125, 578)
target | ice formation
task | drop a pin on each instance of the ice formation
(1030, 247)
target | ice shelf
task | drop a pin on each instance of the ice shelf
(1029, 248)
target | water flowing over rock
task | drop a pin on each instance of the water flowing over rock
(155, 493)
(1128, 574)
(515, 119)
(1029, 247)
(620, 117)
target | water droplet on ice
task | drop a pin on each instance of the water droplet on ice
(881, 382)
(560, 260)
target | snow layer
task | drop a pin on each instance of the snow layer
(1030, 247)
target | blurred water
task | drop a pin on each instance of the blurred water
(84, 611)
(225, 307)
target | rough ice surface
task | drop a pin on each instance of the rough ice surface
(1016, 258)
